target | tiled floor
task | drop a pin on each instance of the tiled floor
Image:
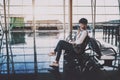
(24, 60)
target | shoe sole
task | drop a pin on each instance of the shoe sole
(54, 66)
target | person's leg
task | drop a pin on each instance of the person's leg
(57, 48)
(62, 45)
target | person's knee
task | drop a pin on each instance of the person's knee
(61, 41)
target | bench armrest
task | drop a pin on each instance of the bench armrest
(106, 48)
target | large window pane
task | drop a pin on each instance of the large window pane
(49, 2)
(81, 10)
(107, 10)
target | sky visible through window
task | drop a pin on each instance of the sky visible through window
(53, 9)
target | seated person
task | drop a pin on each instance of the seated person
(68, 46)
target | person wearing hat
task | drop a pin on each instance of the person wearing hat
(68, 46)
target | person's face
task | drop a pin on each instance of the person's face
(82, 26)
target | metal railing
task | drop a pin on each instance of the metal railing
(111, 34)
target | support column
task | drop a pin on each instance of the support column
(119, 32)
(34, 38)
(119, 44)
(8, 24)
(64, 24)
(93, 8)
(6, 36)
(70, 18)
(67, 71)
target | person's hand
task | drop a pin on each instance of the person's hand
(72, 42)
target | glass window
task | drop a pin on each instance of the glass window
(49, 10)
(82, 2)
(16, 2)
(49, 2)
(107, 2)
(49, 15)
(107, 10)
(1, 2)
(81, 10)
(76, 18)
(26, 2)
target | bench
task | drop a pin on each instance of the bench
(108, 54)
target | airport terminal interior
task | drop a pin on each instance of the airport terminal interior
(31, 29)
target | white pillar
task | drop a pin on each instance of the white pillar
(34, 38)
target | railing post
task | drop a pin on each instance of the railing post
(108, 34)
(105, 33)
(116, 33)
(119, 45)
(112, 35)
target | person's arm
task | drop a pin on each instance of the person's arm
(81, 38)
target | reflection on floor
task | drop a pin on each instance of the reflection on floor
(21, 51)
(24, 61)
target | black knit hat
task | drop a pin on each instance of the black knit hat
(83, 21)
